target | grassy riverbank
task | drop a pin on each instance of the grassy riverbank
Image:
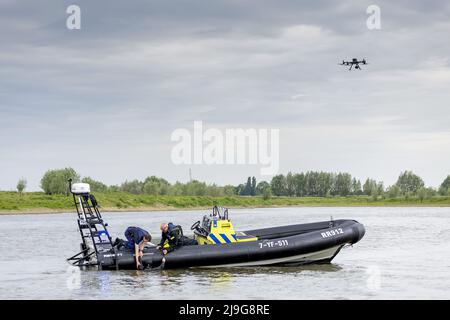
(38, 202)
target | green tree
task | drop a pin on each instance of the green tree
(96, 186)
(21, 185)
(196, 188)
(343, 185)
(356, 187)
(214, 190)
(55, 181)
(393, 192)
(178, 189)
(290, 185)
(278, 185)
(369, 187)
(247, 191)
(133, 187)
(253, 190)
(113, 188)
(261, 186)
(380, 189)
(444, 188)
(156, 186)
(326, 184)
(151, 188)
(425, 193)
(409, 182)
(300, 184)
(267, 194)
(312, 186)
(240, 189)
(229, 190)
(422, 194)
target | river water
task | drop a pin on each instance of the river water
(405, 254)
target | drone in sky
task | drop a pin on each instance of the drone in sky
(354, 62)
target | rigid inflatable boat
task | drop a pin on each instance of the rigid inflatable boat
(218, 243)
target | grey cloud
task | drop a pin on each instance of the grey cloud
(138, 70)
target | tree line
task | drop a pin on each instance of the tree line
(55, 182)
(330, 184)
(304, 184)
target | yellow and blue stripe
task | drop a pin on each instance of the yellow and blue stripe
(222, 238)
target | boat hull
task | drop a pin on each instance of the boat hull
(290, 245)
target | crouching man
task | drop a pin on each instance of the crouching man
(136, 240)
(173, 236)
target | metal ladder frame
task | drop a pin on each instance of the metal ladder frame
(91, 227)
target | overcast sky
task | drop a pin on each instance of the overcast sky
(105, 99)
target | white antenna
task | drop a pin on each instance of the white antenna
(190, 175)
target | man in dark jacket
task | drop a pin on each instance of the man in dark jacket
(170, 235)
(174, 237)
(136, 239)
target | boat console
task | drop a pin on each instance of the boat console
(217, 228)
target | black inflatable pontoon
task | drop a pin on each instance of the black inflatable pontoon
(219, 244)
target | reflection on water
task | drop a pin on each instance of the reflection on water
(103, 283)
(228, 273)
(131, 279)
(199, 281)
(216, 279)
(383, 265)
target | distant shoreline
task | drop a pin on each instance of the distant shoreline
(152, 209)
(13, 203)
